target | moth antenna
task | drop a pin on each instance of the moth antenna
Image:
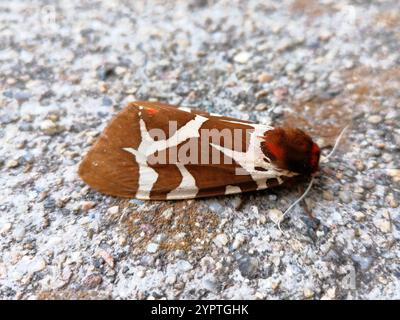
(295, 203)
(325, 159)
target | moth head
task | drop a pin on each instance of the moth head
(291, 149)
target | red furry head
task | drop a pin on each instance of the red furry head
(291, 149)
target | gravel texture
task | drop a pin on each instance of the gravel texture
(67, 66)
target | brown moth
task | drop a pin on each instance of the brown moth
(156, 151)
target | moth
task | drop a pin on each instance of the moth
(156, 151)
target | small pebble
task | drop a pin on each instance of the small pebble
(395, 174)
(261, 93)
(368, 184)
(262, 219)
(92, 281)
(242, 57)
(36, 264)
(238, 241)
(278, 110)
(280, 93)
(248, 267)
(215, 206)
(375, 119)
(140, 273)
(210, 285)
(261, 107)
(237, 202)
(122, 241)
(327, 195)
(309, 77)
(275, 285)
(8, 94)
(107, 101)
(171, 279)
(393, 203)
(22, 96)
(291, 67)
(167, 214)
(5, 228)
(322, 85)
(272, 197)
(103, 87)
(25, 126)
(113, 210)
(345, 196)
(264, 78)
(108, 258)
(221, 240)
(383, 225)
(324, 35)
(386, 157)
(162, 237)
(87, 205)
(363, 262)
(359, 216)
(184, 266)
(49, 127)
(359, 165)
(12, 164)
(308, 293)
(19, 233)
(275, 215)
(329, 294)
(152, 247)
(259, 295)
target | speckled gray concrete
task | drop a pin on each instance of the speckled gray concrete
(66, 69)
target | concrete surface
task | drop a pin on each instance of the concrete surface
(67, 66)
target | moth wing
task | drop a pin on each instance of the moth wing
(111, 164)
(108, 167)
(170, 108)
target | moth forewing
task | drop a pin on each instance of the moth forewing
(156, 151)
